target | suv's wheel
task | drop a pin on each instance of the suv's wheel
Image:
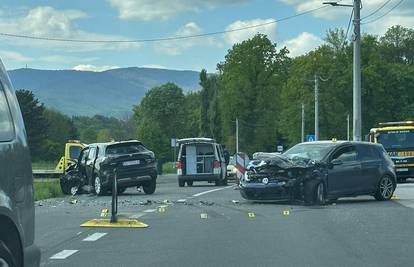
(181, 183)
(97, 185)
(189, 183)
(121, 190)
(225, 180)
(149, 187)
(385, 189)
(6, 256)
(217, 182)
(65, 187)
(320, 194)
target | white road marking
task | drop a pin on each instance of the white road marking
(162, 206)
(136, 216)
(405, 194)
(94, 237)
(63, 254)
(150, 210)
(210, 191)
(181, 200)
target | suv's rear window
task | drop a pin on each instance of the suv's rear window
(125, 149)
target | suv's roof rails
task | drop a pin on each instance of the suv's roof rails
(196, 140)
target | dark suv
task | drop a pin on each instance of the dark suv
(16, 184)
(135, 166)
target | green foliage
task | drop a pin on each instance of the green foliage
(169, 167)
(35, 122)
(210, 123)
(48, 188)
(252, 77)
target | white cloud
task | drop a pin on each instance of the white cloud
(153, 66)
(66, 59)
(239, 36)
(302, 44)
(14, 57)
(163, 9)
(46, 21)
(177, 47)
(403, 14)
(88, 67)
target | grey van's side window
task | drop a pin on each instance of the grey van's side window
(6, 123)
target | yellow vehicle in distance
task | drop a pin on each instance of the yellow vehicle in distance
(398, 140)
(72, 152)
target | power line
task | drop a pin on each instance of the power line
(378, 9)
(347, 29)
(386, 13)
(162, 38)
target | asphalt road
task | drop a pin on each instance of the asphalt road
(352, 232)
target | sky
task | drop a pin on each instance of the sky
(148, 19)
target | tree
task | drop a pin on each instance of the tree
(252, 77)
(159, 116)
(35, 122)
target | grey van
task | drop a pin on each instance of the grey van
(201, 159)
(16, 184)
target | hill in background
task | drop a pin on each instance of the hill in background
(110, 93)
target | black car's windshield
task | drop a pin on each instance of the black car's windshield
(120, 149)
(396, 139)
(314, 151)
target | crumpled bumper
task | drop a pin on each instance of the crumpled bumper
(270, 191)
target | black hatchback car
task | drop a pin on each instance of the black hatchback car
(320, 171)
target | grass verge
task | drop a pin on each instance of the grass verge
(43, 165)
(168, 167)
(47, 188)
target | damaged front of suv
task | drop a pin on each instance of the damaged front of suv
(286, 176)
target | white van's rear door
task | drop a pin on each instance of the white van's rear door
(191, 159)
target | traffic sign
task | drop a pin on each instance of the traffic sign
(279, 148)
(310, 138)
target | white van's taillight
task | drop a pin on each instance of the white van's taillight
(179, 168)
(216, 167)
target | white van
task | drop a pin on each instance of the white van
(201, 159)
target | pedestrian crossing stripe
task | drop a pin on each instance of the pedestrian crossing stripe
(203, 216)
(251, 214)
(104, 213)
(286, 213)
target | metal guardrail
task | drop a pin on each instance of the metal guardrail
(46, 173)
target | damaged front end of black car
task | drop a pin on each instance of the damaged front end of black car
(278, 177)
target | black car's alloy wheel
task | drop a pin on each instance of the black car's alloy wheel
(385, 188)
(99, 190)
(320, 194)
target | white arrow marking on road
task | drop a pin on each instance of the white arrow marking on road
(210, 191)
(63, 254)
(94, 237)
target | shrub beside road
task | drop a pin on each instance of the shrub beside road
(47, 188)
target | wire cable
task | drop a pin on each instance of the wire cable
(347, 29)
(378, 9)
(386, 13)
(161, 39)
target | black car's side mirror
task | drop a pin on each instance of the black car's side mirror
(336, 162)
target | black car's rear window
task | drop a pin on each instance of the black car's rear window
(120, 149)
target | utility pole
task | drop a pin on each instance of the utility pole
(347, 127)
(316, 108)
(357, 72)
(237, 135)
(356, 119)
(303, 123)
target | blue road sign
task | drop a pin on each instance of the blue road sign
(310, 138)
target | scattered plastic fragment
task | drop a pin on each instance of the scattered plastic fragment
(207, 203)
(147, 202)
(235, 201)
(74, 201)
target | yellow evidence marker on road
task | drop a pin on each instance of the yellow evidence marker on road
(395, 197)
(203, 216)
(121, 223)
(286, 213)
(251, 214)
(161, 209)
(104, 213)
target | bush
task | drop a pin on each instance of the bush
(168, 167)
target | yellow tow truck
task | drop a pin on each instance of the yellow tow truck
(72, 151)
(398, 140)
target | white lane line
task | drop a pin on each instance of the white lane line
(150, 210)
(162, 206)
(136, 216)
(63, 254)
(94, 237)
(210, 191)
(181, 200)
